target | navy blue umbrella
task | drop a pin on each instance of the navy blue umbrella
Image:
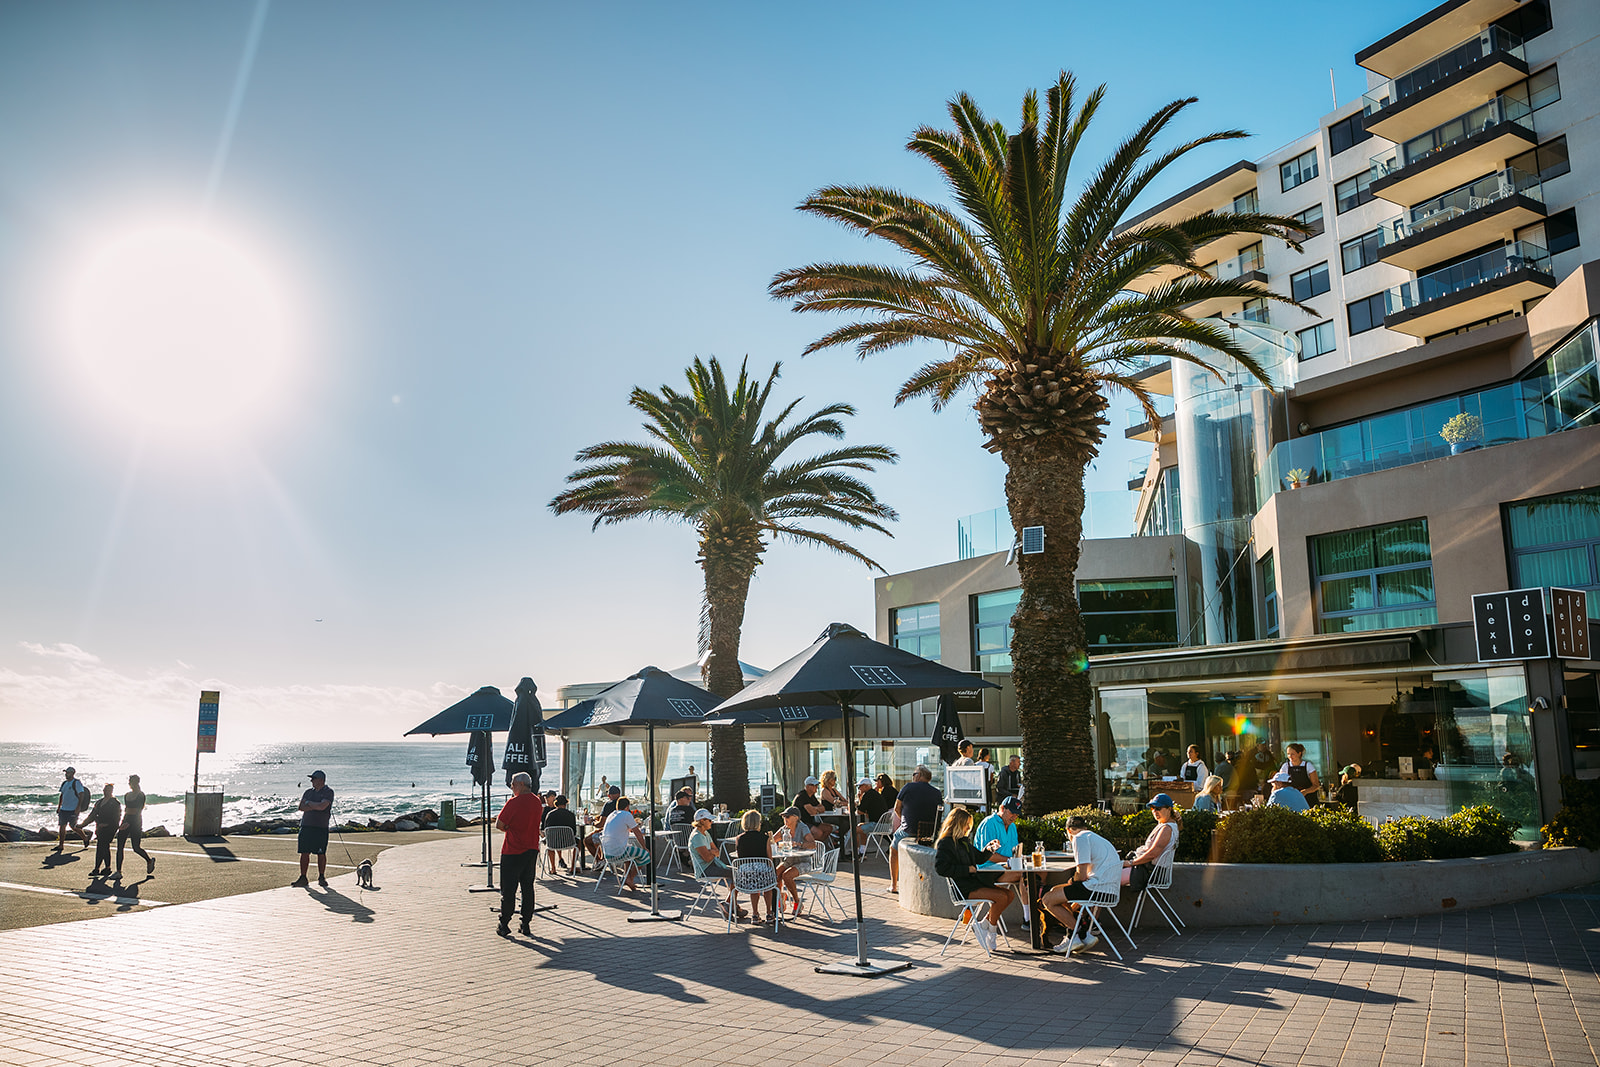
(486, 712)
(844, 666)
(524, 751)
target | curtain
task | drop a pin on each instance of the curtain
(659, 752)
(574, 767)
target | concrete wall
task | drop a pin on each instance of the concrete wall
(1253, 894)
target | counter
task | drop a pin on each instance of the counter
(1398, 797)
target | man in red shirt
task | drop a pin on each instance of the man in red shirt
(519, 851)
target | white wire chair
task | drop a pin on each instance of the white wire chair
(881, 834)
(1154, 891)
(558, 839)
(668, 842)
(708, 895)
(820, 879)
(1098, 902)
(619, 867)
(968, 912)
(756, 874)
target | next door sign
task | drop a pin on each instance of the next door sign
(1510, 625)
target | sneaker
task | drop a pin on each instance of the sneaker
(299, 883)
(524, 929)
(985, 935)
(1070, 945)
(504, 929)
(1090, 941)
(150, 865)
(323, 882)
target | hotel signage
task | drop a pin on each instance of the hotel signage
(1510, 625)
(1569, 617)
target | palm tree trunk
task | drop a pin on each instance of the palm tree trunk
(727, 585)
(1044, 487)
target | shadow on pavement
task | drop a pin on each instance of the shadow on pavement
(340, 904)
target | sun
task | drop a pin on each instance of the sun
(180, 327)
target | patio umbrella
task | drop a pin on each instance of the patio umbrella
(783, 716)
(524, 751)
(947, 729)
(480, 756)
(650, 698)
(485, 711)
(844, 666)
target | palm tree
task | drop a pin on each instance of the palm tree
(1031, 293)
(716, 465)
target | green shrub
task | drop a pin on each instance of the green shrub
(1194, 836)
(1271, 835)
(1352, 838)
(1135, 828)
(1483, 830)
(1578, 821)
(1410, 838)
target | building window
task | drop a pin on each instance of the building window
(1375, 578)
(1353, 192)
(1247, 203)
(1547, 161)
(1255, 310)
(1529, 20)
(1129, 614)
(1267, 582)
(1313, 281)
(1345, 135)
(1558, 233)
(1556, 542)
(1544, 88)
(991, 630)
(1299, 170)
(1316, 340)
(1365, 314)
(916, 629)
(1360, 251)
(1311, 219)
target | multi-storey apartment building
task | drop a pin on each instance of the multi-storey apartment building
(1308, 547)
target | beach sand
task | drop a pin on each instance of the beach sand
(39, 886)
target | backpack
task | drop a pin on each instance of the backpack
(81, 791)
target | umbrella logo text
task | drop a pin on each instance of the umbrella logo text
(794, 714)
(688, 709)
(479, 722)
(877, 677)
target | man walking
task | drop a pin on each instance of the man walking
(74, 804)
(519, 820)
(105, 816)
(316, 811)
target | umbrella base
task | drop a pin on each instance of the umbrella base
(480, 863)
(483, 889)
(855, 969)
(657, 917)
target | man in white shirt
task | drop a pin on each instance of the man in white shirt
(1099, 869)
(615, 837)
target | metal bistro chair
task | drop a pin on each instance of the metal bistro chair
(1103, 901)
(820, 879)
(619, 867)
(756, 874)
(668, 843)
(967, 913)
(1160, 879)
(708, 895)
(881, 834)
(558, 839)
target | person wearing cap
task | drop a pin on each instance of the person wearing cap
(316, 812)
(519, 820)
(707, 861)
(682, 811)
(73, 805)
(795, 834)
(870, 807)
(559, 814)
(998, 834)
(1285, 795)
(811, 808)
(1349, 794)
(1158, 846)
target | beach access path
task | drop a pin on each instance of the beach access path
(413, 974)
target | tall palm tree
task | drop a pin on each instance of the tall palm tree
(1031, 293)
(715, 465)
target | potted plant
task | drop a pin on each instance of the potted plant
(1297, 478)
(1463, 432)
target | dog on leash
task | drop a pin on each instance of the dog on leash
(364, 874)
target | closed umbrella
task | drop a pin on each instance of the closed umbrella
(947, 729)
(480, 756)
(650, 698)
(844, 666)
(524, 751)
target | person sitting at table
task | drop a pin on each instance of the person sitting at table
(999, 833)
(809, 803)
(956, 858)
(613, 796)
(559, 814)
(1348, 793)
(1285, 795)
(1194, 769)
(682, 811)
(754, 843)
(916, 805)
(615, 841)
(887, 790)
(1159, 844)
(1225, 766)
(1097, 868)
(708, 862)
(832, 799)
(870, 807)
(794, 835)
(1210, 796)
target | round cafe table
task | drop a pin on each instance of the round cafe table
(1037, 878)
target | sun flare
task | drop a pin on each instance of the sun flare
(181, 327)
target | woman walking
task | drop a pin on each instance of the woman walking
(132, 829)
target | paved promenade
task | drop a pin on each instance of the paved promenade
(413, 974)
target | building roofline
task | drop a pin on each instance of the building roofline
(1407, 30)
(1199, 186)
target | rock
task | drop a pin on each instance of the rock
(387, 827)
(11, 833)
(405, 824)
(158, 831)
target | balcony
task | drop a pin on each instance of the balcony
(1137, 468)
(1467, 218)
(1156, 377)
(1419, 40)
(1247, 202)
(1140, 428)
(1250, 267)
(1483, 286)
(1469, 74)
(1450, 154)
(1106, 514)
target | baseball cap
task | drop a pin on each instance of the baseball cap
(1160, 800)
(1013, 804)
(1281, 776)
(684, 793)
(70, 770)
(319, 774)
(865, 781)
(813, 781)
(701, 813)
(791, 811)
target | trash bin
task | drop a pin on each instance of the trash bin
(447, 814)
(202, 814)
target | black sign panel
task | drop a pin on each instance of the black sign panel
(969, 701)
(1510, 625)
(1569, 617)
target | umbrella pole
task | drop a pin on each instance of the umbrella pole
(656, 914)
(860, 967)
(488, 844)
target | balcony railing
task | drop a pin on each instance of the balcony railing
(1253, 315)
(1515, 256)
(1136, 416)
(1238, 267)
(1106, 513)
(1137, 468)
(1463, 56)
(1499, 110)
(1452, 205)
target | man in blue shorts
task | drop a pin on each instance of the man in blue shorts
(918, 807)
(316, 811)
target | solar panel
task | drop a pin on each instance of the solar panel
(1032, 540)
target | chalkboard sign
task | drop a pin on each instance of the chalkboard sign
(769, 798)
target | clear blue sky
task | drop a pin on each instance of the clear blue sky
(488, 221)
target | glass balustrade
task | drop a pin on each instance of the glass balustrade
(1106, 514)
(1458, 202)
(1137, 416)
(1480, 119)
(1463, 56)
(1515, 256)
(1137, 468)
(1247, 262)
(1258, 314)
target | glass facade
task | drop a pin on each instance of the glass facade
(1375, 578)
(1556, 542)
(916, 629)
(991, 630)
(1165, 514)
(1129, 614)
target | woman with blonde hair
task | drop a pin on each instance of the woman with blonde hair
(1210, 795)
(956, 858)
(832, 799)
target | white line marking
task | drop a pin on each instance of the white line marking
(239, 859)
(141, 901)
